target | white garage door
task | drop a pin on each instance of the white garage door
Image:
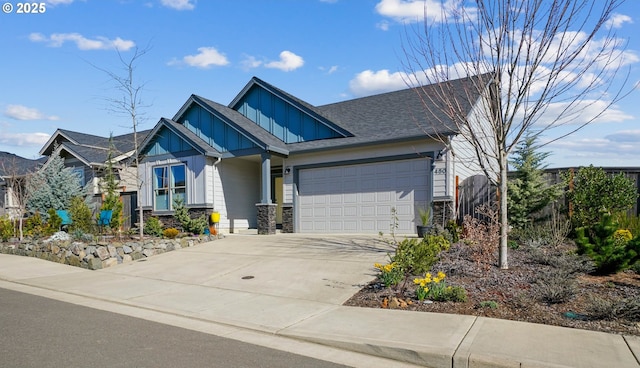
(359, 198)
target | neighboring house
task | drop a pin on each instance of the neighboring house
(88, 154)
(270, 159)
(14, 171)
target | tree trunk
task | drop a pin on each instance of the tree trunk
(504, 224)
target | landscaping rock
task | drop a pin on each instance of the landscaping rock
(94, 264)
(127, 249)
(102, 253)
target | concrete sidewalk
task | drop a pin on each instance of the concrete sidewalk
(286, 291)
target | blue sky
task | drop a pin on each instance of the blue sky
(321, 51)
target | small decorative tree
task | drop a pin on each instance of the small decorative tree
(181, 213)
(109, 188)
(610, 253)
(528, 192)
(53, 186)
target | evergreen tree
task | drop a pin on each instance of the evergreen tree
(109, 188)
(52, 186)
(528, 191)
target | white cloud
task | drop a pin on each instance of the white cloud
(24, 139)
(179, 4)
(369, 82)
(20, 112)
(409, 11)
(618, 20)
(250, 62)
(596, 111)
(288, 62)
(83, 43)
(204, 59)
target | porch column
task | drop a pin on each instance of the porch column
(265, 188)
(266, 210)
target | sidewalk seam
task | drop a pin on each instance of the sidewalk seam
(631, 350)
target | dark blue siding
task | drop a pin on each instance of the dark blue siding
(283, 120)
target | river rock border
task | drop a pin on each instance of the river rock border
(99, 254)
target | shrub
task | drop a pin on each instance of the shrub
(6, 228)
(170, 233)
(609, 253)
(555, 286)
(595, 193)
(605, 309)
(153, 226)
(181, 213)
(629, 222)
(34, 226)
(491, 304)
(81, 216)
(454, 229)
(54, 223)
(417, 256)
(482, 235)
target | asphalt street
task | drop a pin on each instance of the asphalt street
(42, 332)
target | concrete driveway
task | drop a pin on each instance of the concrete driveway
(318, 268)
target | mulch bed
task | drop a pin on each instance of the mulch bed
(593, 303)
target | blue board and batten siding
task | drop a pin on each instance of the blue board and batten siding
(166, 141)
(214, 130)
(284, 121)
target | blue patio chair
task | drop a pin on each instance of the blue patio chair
(66, 219)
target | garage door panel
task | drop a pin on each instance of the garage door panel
(359, 198)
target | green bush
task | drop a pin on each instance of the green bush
(595, 192)
(189, 225)
(54, 223)
(6, 228)
(153, 226)
(34, 226)
(609, 252)
(81, 216)
(417, 256)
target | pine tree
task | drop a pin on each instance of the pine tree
(53, 186)
(528, 192)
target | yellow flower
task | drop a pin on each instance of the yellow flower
(377, 265)
(427, 276)
(417, 281)
(441, 275)
(423, 284)
(436, 280)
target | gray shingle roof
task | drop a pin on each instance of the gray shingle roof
(91, 148)
(393, 116)
(11, 164)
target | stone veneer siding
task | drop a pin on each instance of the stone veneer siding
(169, 221)
(443, 211)
(266, 218)
(287, 218)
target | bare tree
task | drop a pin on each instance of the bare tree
(15, 177)
(130, 104)
(543, 67)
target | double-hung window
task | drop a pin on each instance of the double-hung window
(169, 184)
